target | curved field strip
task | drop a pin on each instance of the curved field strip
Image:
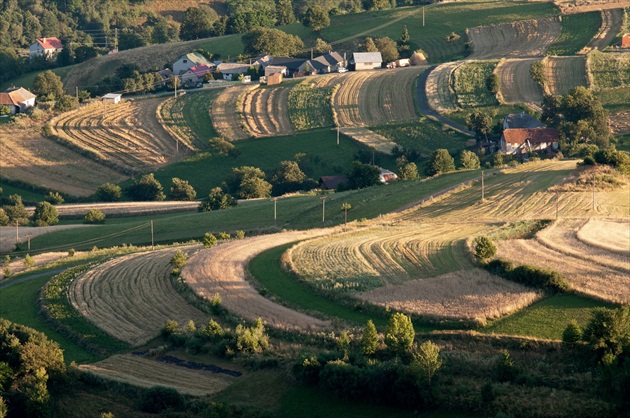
(265, 111)
(389, 96)
(468, 294)
(346, 99)
(517, 85)
(132, 297)
(609, 234)
(564, 74)
(527, 38)
(470, 83)
(222, 270)
(147, 373)
(612, 21)
(225, 118)
(584, 276)
(370, 139)
(127, 134)
(440, 94)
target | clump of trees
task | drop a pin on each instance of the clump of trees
(146, 188)
(440, 162)
(271, 41)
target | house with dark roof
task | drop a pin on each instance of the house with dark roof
(521, 120)
(47, 47)
(17, 99)
(524, 140)
(187, 61)
(367, 60)
(329, 62)
(331, 182)
(295, 66)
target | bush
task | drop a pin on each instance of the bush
(28, 261)
(240, 234)
(94, 216)
(484, 248)
(54, 198)
(45, 214)
(440, 162)
(216, 200)
(108, 192)
(209, 240)
(572, 334)
(179, 260)
(223, 236)
(159, 398)
(4, 219)
(469, 160)
(181, 190)
(146, 188)
(529, 275)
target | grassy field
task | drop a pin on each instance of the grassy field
(27, 195)
(26, 80)
(608, 70)
(615, 100)
(497, 112)
(548, 317)
(471, 84)
(425, 136)
(310, 107)
(577, 31)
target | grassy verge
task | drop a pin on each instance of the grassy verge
(548, 317)
(577, 32)
(497, 112)
(471, 84)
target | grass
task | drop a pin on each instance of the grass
(497, 112)
(18, 303)
(622, 142)
(310, 107)
(609, 70)
(615, 100)
(425, 136)
(27, 195)
(471, 84)
(548, 317)
(27, 80)
(577, 32)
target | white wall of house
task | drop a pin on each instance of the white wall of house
(367, 66)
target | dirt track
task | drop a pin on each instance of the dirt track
(612, 20)
(7, 234)
(517, 85)
(583, 6)
(223, 270)
(564, 74)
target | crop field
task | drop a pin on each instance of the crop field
(310, 106)
(225, 117)
(577, 31)
(440, 92)
(128, 135)
(608, 234)
(608, 70)
(132, 297)
(187, 118)
(595, 272)
(612, 21)
(517, 85)
(464, 295)
(564, 74)
(265, 111)
(620, 122)
(139, 371)
(615, 100)
(526, 38)
(470, 84)
(222, 270)
(30, 157)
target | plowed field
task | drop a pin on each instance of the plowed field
(527, 38)
(226, 119)
(266, 111)
(517, 85)
(564, 74)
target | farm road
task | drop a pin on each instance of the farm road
(423, 103)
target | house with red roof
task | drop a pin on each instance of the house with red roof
(18, 99)
(524, 140)
(197, 73)
(47, 47)
(625, 40)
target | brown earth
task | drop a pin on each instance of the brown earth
(225, 117)
(564, 74)
(620, 122)
(517, 85)
(612, 21)
(583, 6)
(370, 139)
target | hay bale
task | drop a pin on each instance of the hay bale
(418, 58)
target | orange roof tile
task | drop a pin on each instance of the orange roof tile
(535, 135)
(50, 43)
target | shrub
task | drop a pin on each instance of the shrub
(94, 216)
(179, 260)
(400, 333)
(572, 334)
(108, 192)
(216, 200)
(159, 398)
(4, 219)
(251, 339)
(54, 198)
(369, 340)
(484, 248)
(469, 160)
(240, 234)
(529, 275)
(223, 235)
(45, 214)
(169, 328)
(146, 188)
(181, 190)
(28, 261)
(505, 369)
(440, 162)
(71, 252)
(209, 240)
(15, 211)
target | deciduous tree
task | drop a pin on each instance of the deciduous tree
(45, 214)
(400, 333)
(272, 42)
(441, 162)
(316, 18)
(182, 190)
(146, 188)
(469, 160)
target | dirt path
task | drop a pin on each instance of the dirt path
(583, 6)
(517, 85)
(612, 20)
(223, 270)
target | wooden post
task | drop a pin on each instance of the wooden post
(483, 191)
(422, 16)
(17, 233)
(557, 204)
(323, 209)
(152, 240)
(275, 202)
(337, 134)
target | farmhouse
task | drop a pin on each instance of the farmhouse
(386, 176)
(329, 62)
(331, 182)
(521, 120)
(45, 47)
(231, 71)
(197, 73)
(112, 98)
(625, 41)
(367, 60)
(295, 66)
(17, 99)
(187, 61)
(524, 140)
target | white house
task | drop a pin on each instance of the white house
(47, 47)
(367, 60)
(197, 73)
(231, 71)
(187, 61)
(17, 99)
(524, 140)
(112, 98)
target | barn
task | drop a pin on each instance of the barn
(112, 98)
(367, 60)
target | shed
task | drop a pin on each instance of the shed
(331, 182)
(112, 98)
(367, 60)
(273, 79)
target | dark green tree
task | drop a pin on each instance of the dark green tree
(287, 178)
(146, 188)
(484, 248)
(284, 12)
(216, 200)
(479, 122)
(198, 23)
(4, 218)
(493, 83)
(181, 190)
(363, 175)
(369, 340)
(15, 210)
(387, 48)
(608, 333)
(48, 85)
(45, 214)
(440, 162)
(404, 36)
(272, 42)
(248, 182)
(108, 192)
(94, 216)
(369, 45)
(316, 18)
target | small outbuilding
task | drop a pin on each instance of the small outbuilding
(386, 176)
(331, 182)
(112, 98)
(367, 60)
(273, 79)
(18, 99)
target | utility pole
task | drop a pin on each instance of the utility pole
(323, 209)
(76, 92)
(422, 16)
(28, 238)
(557, 204)
(593, 192)
(17, 233)
(152, 240)
(483, 191)
(337, 134)
(116, 39)
(275, 204)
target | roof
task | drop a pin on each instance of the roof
(165, 73)
(535, 135)
(49, 43)
(292, 64)
(275, 69)
(201, 70)
(320, 63)
(194, 57)
(360, 57)
(14, 96)
(112, 96)
(522, 120)
(331, 182)
(230, 68)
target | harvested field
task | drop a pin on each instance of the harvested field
(29, 157)
(564, 74)
(593, 279)
(376, 97)
(266, 111)
(127, 135)
(470, 83)
(612, 20)
(608, 234)
(7, 234)
(147, 373)
(440, 93)
(132, 297)
(608, 70)
(369, 139)
(527, 38)
(17, 264)
(223, 270)
(225, 117)
(517, 85)
(467, 294)
(582, 6)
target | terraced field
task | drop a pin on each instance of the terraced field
(608, 70)
(266, 111)
(593, 271)
(132, 297)
(225, 118)
(527, 38)
(440, 93)
(470, 83)
(517, 85)
(564, 74)
(127, 135)
(612, 21)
